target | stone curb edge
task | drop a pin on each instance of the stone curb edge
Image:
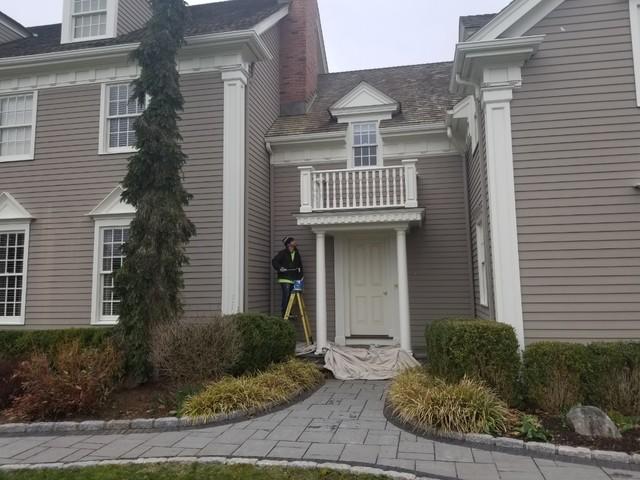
(309, 465)
(512, 445)
(146, 424)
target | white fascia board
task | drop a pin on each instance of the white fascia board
(364, 100)
(271, 21)
(307, 138)
(15, 27)
(634, 15)
(113, 205)
(11, 210)
(507, 18)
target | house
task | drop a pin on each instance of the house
(501, 185)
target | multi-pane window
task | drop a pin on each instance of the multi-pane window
(365, 144)
(12, 267)
(16, 125)
(111, 258)
(121, 115)
(89, 18)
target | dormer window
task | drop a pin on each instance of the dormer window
(365, 144)
(88, 20)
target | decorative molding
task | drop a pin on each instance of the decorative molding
(234, 185)
(389, 218)
(18, 220)
(464, 119)
(363, 103)
(634, 15)
(11, 210)
(113, 205)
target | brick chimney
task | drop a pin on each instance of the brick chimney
(301, 56)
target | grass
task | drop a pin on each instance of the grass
(182, 472)
(278, 384)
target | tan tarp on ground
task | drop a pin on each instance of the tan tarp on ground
(374, 363)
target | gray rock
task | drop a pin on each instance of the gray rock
(592, 422)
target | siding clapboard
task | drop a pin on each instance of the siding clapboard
(68, 178)
(576, 143)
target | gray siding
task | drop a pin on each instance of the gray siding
(262, 109)
(7, 35)
(576, 144)
(68, 179)
(132, 15)
(438, 252)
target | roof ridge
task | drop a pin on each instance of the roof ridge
(388, 68)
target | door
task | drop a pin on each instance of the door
(370, 286)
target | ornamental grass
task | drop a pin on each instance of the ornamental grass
(278, 384)
(467, 406)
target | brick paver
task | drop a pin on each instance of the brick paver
(342, 422)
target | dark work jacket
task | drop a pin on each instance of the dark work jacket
(294, 267)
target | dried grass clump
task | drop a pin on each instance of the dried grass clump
(467, 406)
(279, 384)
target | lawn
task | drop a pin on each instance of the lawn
(182, 472)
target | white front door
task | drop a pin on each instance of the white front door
(371, 286)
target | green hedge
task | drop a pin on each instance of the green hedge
(560, 375)
(19, 344)
(264, 340)
(480, 349)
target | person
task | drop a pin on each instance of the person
(288, 264)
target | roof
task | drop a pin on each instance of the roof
(206, 18)
(421, 90)
(477, 21)
(18, 26)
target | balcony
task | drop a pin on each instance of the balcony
(359, 188)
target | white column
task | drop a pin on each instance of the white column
(306, 190)
(321, 294)
(502, 209)
(411, 183)
(233, 193)
(403, 290)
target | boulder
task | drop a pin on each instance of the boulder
(592, 422)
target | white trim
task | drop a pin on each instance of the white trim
(112, 205)
(103, 139)
(11, 210)
(364, 103)
(67, 23)
(502, 209)
(404, 314)
(18, 226)
(34, 121)
(21, 31)
(466, 111)
(481, 258)
(321, 294)
(233, 191)
(516, 19)
(634, 15)
(96, 298)
(271, 21)
(368, 220)
(351, 147)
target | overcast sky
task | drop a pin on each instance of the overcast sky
(358, 33)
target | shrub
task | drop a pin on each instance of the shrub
(77, 381)
(466, 406)
(479, 349)
(613, 378)
(264, 340)
(21, 344)
(532, 430)
(278, 384)
(193, 353)
(9, 383)
(554, 375)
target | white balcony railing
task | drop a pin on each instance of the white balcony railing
(358, 188)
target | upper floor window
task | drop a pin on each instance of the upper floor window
(17, 126)
(120, 112)
(88, 20)
(365, 144)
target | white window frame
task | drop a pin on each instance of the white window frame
(9, 226)
(634, 15)
(481, 255)
(103, 141)
(351, 146)
(34, 116)
(96, 291)
(68, 22)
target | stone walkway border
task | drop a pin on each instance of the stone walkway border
(512, 445)
(151, 424)
(340, 467)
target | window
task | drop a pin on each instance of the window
(89, 18)
(365, 144)
(119, 114)
(13, 258)
(109, 257)
(17, 126)
(482, 264)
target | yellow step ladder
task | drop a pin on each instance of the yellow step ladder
(297, 298)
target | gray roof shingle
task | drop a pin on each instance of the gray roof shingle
(421, 90)
(206, 18)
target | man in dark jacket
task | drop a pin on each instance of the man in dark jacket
(288, 264)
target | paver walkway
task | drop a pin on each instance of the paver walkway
(342, 422)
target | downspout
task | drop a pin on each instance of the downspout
(468, 83)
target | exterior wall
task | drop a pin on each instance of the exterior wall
(132, 15)
(263, 107)
(575, 136)
(68, 179)
(438, 252)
